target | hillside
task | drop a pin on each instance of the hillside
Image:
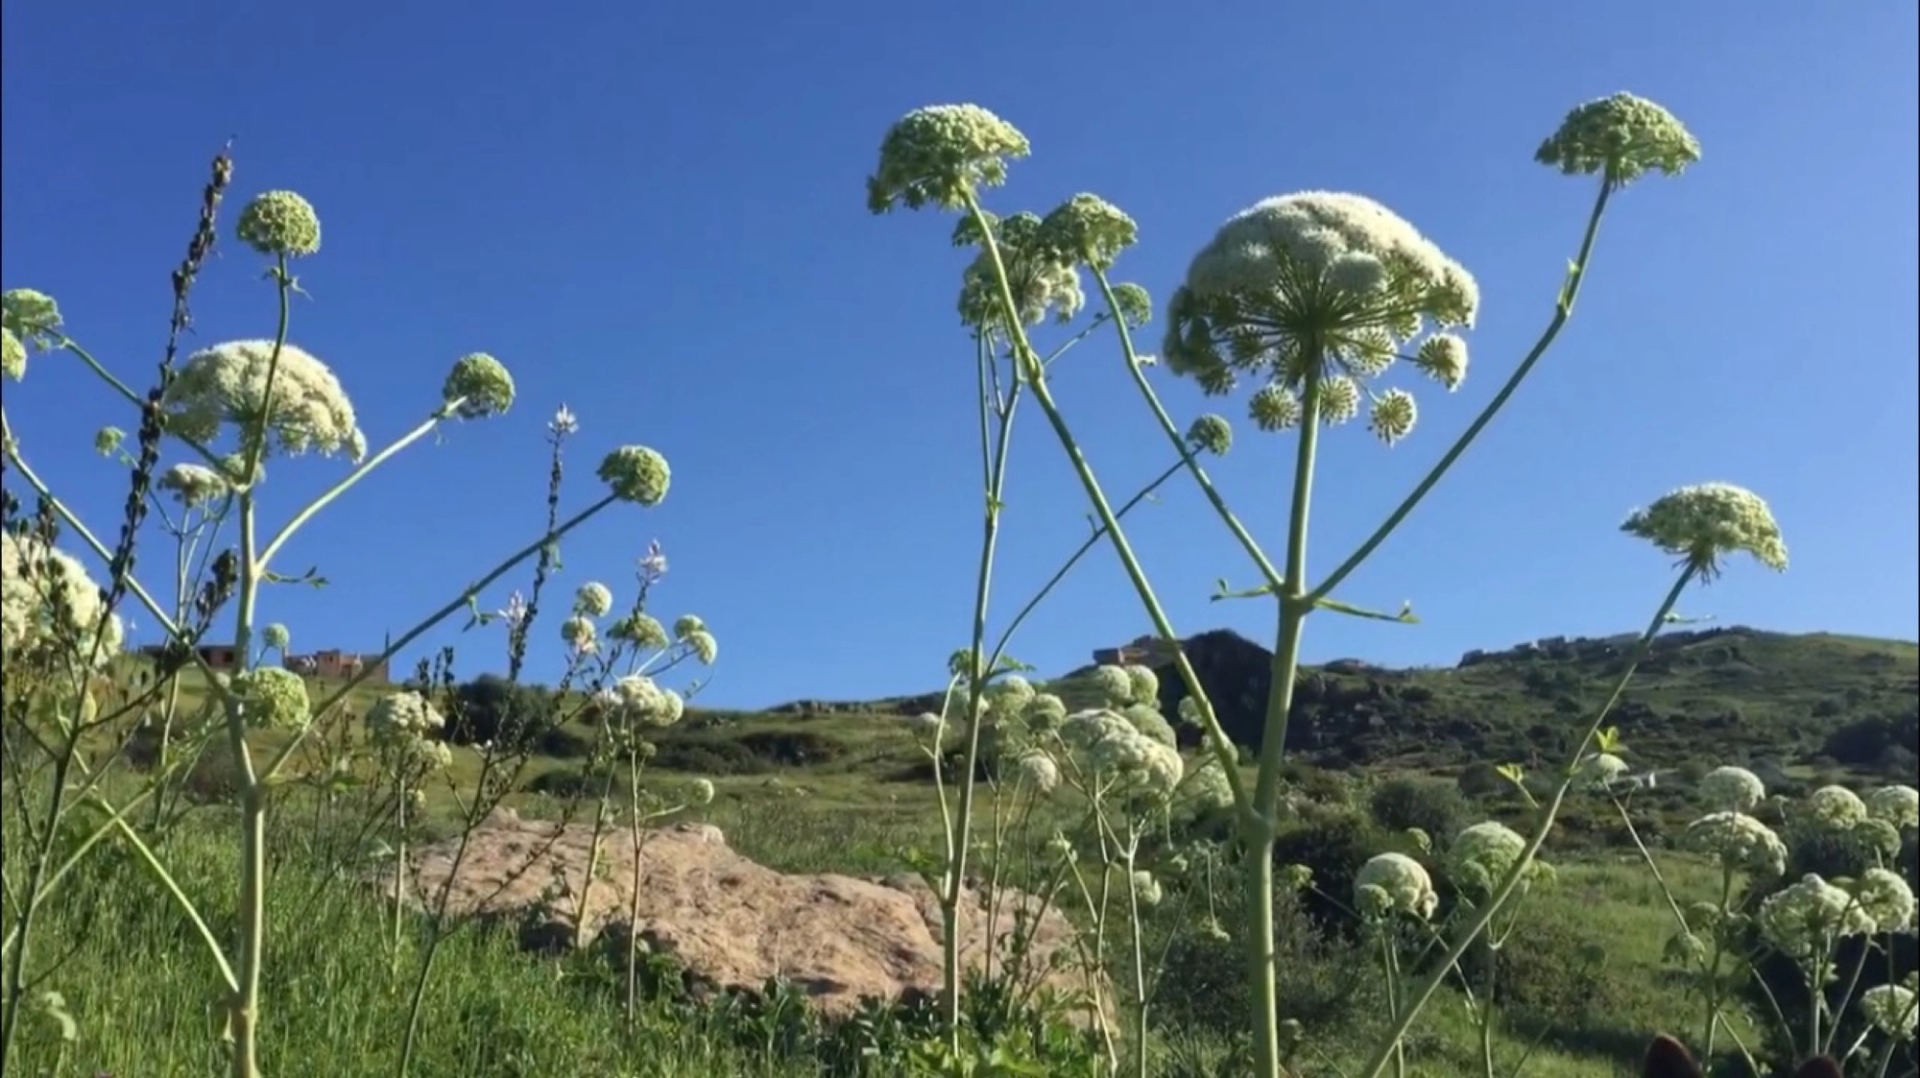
(1718, 694)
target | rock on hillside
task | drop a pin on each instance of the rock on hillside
(728, 922)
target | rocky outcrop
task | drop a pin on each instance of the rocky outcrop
(727, 921)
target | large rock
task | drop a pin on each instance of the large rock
(729, 922)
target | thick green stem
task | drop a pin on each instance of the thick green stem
(1511, 883)
(1563, 310)
(244, 1013)
(1257, 828)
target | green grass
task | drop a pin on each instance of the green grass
(847, 790)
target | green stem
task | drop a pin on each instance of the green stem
(1029, 362)
(1257, 828)
(1563, 310)
(1188, 457)
(245, 1008)
(345, 484)
(959, 835)
(1520, 868)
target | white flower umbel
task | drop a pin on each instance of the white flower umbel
(1738, 842)
(227, 385)
(1732, 789)
(1404, 883)
(49, 605)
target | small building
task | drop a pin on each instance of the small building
(337, 665)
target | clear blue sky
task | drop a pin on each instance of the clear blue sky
(655, 214)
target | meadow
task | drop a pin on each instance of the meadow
(1526, 864)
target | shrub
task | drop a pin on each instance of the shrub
(1431, 805)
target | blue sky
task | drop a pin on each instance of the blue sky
(655, 215)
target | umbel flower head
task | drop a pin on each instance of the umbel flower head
(1738, 842)
(481, 384)
(1893, 1010)
(636, 474)
(1317, 284)
(1897, 805)
(1482, 855)
(403, 716)
(1805, 918)
(280, 223)
(1043, 281)
(593, 599)
(227, 384)
(30, 314)
(276, 636)
(1836, 807)
(1886, 897)
(193, 485)
(1705, 522)
(1395, 883)
(637, 700)
(641, 630)
(49, 606)
(272, 698)
(1732, 789)
(1089, 229)
(1622, 136)
(940, 154)
(1212, 434)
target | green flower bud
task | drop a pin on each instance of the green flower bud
(1339, 399)
(1089, 229)
(1296, 877)
(579, 634)
(276, 636)
(1624, 135)
(1393, 416)
(641, 630)
(1702, 523)
(940, 155)
(702, 792)
(1211, 433)
(636, 474)
(1274, 407)
(1444, 357)
(481, 384)
(686, 625)
(13, 355)
(107, 439)
(280, 223)
(273, 697)
(1136, 306)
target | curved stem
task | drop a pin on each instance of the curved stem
(1187, 456)
(1562, 311)
(1520, 868)
(327, 497)
(1035, 376)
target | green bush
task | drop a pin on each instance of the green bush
(1431, 805)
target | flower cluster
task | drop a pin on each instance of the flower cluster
(48, 605)
(407, 725)
(637, 701)
(478, 385)
(1897, 805)
(1393, 883)
(1112, 746)
(1836, 808)
(1739, 842)
(1732, 789)
(272, 698)
(942, 154)
(227, 384)
(636, 474)
(27, 318)
(1316, 294)
(1893, 1010)
(1703, 523)
(1623, 136)
(1043, 281)
(193, 485)
(280, 223)
(1887, 898)
(1803, 920)
(1482, 855)
(693, 632)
